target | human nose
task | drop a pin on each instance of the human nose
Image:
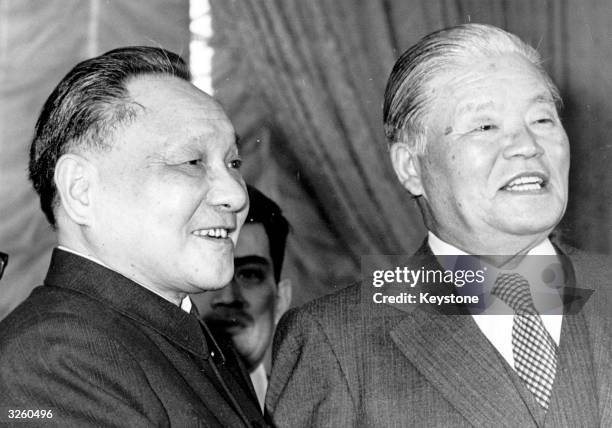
(523, 142)
(227, 191)
(230, 296)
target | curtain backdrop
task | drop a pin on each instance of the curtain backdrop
(39, 42)
(303, 81)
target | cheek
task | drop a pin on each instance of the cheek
(171, 201)
(563, 157)
(261, 301)
(448, 161)
(203, 301)
(480, 169)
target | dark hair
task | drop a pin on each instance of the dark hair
(265, 211)
(87, 106)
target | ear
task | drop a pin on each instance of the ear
(407, 167)
(283, 298)
(73, 180)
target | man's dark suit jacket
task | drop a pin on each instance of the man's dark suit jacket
(100, 350)
(341, 362)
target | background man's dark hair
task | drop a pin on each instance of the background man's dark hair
(87, 106)
(265, 211)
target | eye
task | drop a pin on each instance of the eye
(544, 121)
(235, 163)
(194, 162)
(485, 127)
(250, 276)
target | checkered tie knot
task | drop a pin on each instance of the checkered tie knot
(534, 350)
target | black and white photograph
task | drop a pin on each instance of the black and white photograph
(306, 213)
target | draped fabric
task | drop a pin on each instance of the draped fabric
(39, 42)
(303, 81)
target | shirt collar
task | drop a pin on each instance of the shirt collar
(186, 303)
(531, 268)
(442, 248)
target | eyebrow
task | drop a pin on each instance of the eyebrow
(237, 140)
(240, 261)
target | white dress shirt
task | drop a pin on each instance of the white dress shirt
(260, 384)
(186, 303)
(498, 328)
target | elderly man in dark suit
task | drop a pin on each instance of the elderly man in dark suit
(138, 171)
(475, 136)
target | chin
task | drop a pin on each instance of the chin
(210, 283)
(529, 227)
(210, 273)
(536, 220)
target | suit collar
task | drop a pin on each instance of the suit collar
(457, 359)
(593, 273)
(79, 274)
(452, 353)
(84, 276)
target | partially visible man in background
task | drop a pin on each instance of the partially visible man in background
(248, 308)
(138, 171)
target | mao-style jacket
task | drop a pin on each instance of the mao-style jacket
(96, 349)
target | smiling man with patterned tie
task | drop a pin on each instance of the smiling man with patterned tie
(472, 121)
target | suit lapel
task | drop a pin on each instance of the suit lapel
(600, 327)
(225, 356)
(598, 321)
(146, 308)
(451, 352)
(574, 401)
(454, 355)
(206, 387)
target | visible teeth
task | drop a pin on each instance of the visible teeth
(213, 233)
(524, 187)
(525, 180)
(525, 184)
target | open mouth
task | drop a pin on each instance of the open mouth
(525, 183)
(215, 233)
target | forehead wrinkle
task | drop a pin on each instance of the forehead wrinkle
(543, 98)
(207, 139)
(475, 107)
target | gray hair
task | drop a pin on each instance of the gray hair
(406, 101)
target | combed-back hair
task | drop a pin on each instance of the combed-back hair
(265, 211)
(87, 106)
(406, 101)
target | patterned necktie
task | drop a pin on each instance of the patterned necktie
(534, 350)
